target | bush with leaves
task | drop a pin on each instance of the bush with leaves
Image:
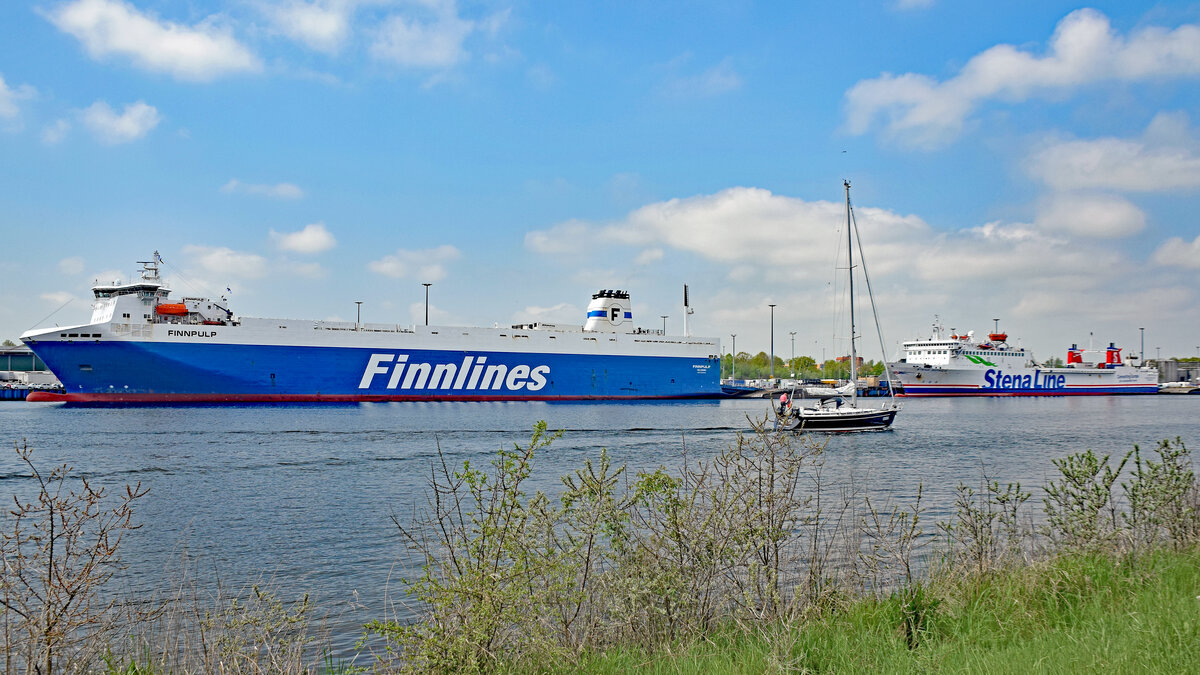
(1164, 504)
(511, 577)
(985, 530)
(1081, 512)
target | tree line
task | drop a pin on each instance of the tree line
(803, 367)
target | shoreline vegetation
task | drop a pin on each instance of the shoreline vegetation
(750, 560)
(758, 366)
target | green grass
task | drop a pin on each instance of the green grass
(1073, 614)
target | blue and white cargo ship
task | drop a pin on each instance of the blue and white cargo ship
(139, 347)
(960, 365)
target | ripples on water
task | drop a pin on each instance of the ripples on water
(306, 493)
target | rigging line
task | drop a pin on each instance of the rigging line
(862, 260)
(54, 312)
(836, 292)
(199, 290)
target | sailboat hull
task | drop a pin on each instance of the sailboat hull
(808, 419)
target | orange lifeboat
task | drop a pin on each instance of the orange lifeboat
(172, 309)
(998, 337)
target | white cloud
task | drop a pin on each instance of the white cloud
(72, 265)
(541, 76)
(1126, 306)
(792, 233)
(278, 190)
(426, 265)
(437, 316)
(227, 263)
(114, 28)
(322, 25)
(756, 236)
(1090, 215)
(136, 121)
(55, 133)
(9, 98)
(754, 243)
(433, 40)
(1165, 158)
(564, 312)
(648, 256)
(314, 238)
(720, 79)
(57, 298)
(308, 270)
(569, 237)
(920, 111)
(1175, 252)
(1024, 255)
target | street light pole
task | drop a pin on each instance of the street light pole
(792, 363)
(427, 302)
(359, 319)
(733, 361)
(772, 340)
(1142, 354)
(664, 318)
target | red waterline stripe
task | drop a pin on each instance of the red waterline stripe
(981, 393)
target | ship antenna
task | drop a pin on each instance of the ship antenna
(687, 311)
(150, 268)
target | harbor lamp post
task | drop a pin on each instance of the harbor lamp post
(772, 340)
(359, 308)
(664, 318)
(733, 361)
(427, 302)
(1142, 354)
(792, 363)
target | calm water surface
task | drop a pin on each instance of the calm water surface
(305, 493)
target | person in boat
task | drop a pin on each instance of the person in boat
(784, 404)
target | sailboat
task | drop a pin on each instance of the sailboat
(837, 409)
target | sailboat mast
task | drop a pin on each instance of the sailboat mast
(850, 265)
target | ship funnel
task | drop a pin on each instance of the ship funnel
(1074, 354)
(1112, 356)
(610, 312)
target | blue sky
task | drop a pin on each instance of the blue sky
(1033, 161)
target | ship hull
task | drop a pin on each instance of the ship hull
(934, 381)
(399, 367)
